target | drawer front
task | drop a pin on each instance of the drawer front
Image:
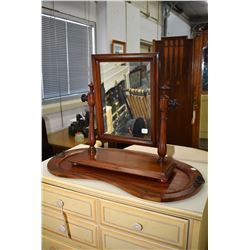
(167, 229)
(72, 202)
(116, 240)
(49, 244)
(84, 232)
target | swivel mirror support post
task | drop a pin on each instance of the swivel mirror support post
(162, 145)
(91, 102)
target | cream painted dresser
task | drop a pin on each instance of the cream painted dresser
(90, 214)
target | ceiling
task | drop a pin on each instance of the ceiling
(195, 12)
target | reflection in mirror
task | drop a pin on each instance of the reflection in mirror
(125, 93)
(126, 97)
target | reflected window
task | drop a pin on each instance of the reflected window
(205, 69)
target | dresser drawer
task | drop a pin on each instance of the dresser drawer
(76, 203)
(51, 244)
(167, 229)
(112, 239)
(79, 231)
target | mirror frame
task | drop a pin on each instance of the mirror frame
(152, 58)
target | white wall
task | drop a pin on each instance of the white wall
(82, 9)
(101, 28)
(177, 27)
(116, 21)
(123, 21)
(149, 30)
(111, 24)
(133, 31)
(53, 120)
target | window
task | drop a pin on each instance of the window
(145, 46)
(67, 45)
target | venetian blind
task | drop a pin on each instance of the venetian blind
(66, 55)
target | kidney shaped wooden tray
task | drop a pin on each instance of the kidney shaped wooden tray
(138, 173)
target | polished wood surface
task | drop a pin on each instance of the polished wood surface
(175, 71)
(63, 140)
(199, 43)
(142, 164)
(91, 103)
(162, 144)
(184, 181)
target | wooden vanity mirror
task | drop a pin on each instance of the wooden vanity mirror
(126, 97)
(125, 91)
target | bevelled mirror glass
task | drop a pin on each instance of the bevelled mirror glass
(126, 96)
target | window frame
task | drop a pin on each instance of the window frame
(71, 19)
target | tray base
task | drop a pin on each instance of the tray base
(184, 181)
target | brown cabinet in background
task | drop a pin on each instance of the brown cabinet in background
(180, 70)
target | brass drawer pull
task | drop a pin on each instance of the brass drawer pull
(137, 227)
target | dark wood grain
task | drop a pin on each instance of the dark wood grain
(175, 71)
(182, 183)
(199, 43)
(91, 103)
(162, 145)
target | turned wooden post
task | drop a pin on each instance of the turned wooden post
(91, 102)
(162, 146)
